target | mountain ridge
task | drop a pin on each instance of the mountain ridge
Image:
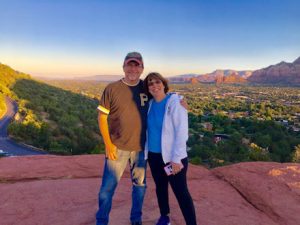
(282, 73)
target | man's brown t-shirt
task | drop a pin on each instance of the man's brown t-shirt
(127, 108)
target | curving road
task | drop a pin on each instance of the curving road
(6, 144)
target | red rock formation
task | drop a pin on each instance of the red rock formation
(219, 79)
(62, 190)
(281, 73)
(225, 76)
(234, 78)
(194, 80)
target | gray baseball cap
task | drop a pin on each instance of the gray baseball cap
(134, 56)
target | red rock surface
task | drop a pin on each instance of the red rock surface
(270, 187)
(62, 190)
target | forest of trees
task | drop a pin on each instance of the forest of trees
(245, 140)
(236, 123)
(249, 116)
(48, 117)
(56, 120)
(2, 105)
(8, 77)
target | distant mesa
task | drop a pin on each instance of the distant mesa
(194, 80)
(231, 79)
(226, 76)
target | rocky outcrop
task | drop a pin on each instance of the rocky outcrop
(272, 188)
(230, 79)
(281, 73)
(217, 76)
(62, 190)
(225, 76)
(194, 80)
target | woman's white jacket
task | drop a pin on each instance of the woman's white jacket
(174, 131)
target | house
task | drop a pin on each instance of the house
(207, 125)
(284, 122)
(295, 129)
(220, 137)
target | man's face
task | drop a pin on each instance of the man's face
(132, 71)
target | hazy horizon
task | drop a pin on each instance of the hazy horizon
(86, 38)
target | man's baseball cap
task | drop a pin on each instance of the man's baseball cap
(134, 56)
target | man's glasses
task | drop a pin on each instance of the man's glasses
(151, 83)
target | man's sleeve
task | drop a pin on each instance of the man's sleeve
(105, 101)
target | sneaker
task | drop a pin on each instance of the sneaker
(163, 220)
(136, 223)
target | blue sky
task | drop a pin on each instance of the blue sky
(89, 37)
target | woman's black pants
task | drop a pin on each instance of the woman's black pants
(178, 184)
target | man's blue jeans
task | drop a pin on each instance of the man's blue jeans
(113, 170)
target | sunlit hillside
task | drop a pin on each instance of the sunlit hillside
(8, 77)
(48, 117)
(90, 88)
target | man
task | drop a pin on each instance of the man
(124, 107)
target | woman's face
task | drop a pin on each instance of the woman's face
(156, 88)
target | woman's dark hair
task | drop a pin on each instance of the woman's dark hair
(155, 76)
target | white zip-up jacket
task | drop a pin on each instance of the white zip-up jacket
(174, 131)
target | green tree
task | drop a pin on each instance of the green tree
(296, 154)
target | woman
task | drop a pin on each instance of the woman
(167, 133)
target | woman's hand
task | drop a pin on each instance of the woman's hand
(176, 167)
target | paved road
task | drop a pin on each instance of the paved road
(6, 144)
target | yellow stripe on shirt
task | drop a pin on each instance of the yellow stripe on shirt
(102, 109)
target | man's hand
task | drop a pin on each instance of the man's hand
(110, 148)
(111, 151)
(184, 104)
